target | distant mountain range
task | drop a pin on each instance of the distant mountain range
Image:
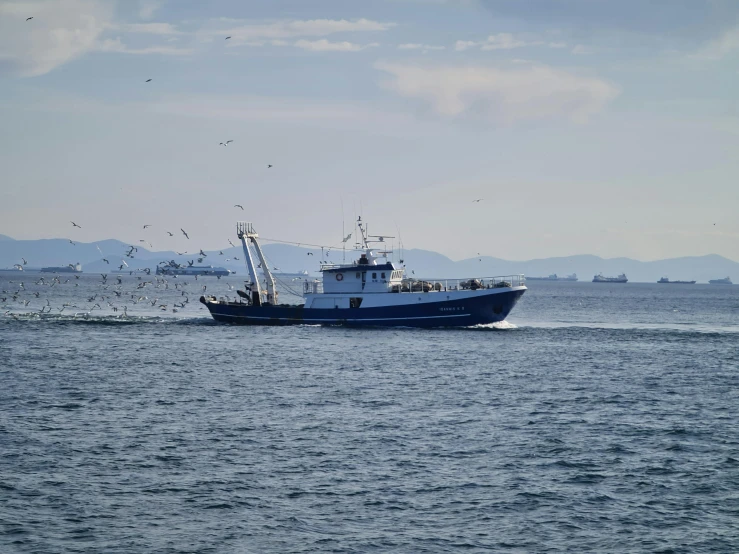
(293, 259)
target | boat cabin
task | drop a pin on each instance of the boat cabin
(363, 276)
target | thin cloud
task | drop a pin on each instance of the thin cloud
(724, 45)
(506, 95)
(60, 32)
(503, 41)
(163, 29)
(414, 46)
(324, 45)
(115, 45)
(295, 28)
(147, 8)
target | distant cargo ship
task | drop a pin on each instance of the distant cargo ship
(724, 281)
(554, 277)
(71, 268)
(173, 268)
(620, 279)
(666, 281)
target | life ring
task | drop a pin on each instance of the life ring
(339, 276)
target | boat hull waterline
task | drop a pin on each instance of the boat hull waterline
(479, 309)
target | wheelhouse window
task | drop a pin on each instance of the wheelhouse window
(374, 275)
(382, 275)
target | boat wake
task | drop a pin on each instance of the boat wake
(498, 326)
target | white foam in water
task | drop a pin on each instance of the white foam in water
(498, 326)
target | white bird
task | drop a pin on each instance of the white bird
(24, 261)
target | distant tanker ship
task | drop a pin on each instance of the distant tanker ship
(620, 279)
(71, 268)
(554, 277)
(666, 281)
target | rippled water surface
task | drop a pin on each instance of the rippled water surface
(600, 418)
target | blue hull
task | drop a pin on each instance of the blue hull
(476, 310)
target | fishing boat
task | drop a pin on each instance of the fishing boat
(370, 291)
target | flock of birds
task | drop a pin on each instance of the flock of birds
(116, 297)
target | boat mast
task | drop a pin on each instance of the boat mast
(243, 230)
(251, 234)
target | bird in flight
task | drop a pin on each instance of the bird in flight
(269, 165)
(309, 254)
(75, 225)
(106, 261)
(227, 38)
(148, 81)
(145, 226)
(184, 233)
(170, 234)
(238, 206)
(30, 18)
(24, 261)
(70, 242)
(478, 200)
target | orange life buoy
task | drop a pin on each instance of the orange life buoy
(339, 276)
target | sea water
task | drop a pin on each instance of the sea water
(597, 418)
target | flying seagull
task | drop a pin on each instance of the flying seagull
(227, 38)
(30, 18)
(184, 233)
(145, 226)
(238, 206)
(148, 81)
(229, 141)
(478, 200)
(231, 243)
(70, 242)
(24, 261)
(75, 225)
(269, 165)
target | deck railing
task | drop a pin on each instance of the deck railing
(438, 285)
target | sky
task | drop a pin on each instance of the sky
(584, 126)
